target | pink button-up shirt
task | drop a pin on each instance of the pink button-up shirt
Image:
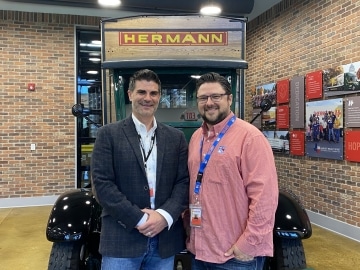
(239, 192)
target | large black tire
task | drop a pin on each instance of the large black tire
(72, 256)
(75, 255)
(66, 256)
(288, 255)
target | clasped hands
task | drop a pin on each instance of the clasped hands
(154, 224)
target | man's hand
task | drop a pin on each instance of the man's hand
(154, 224)
(238, 254)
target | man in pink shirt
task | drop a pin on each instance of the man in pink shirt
(233, 185)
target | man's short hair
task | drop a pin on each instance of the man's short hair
(213, 77)
(144, 74)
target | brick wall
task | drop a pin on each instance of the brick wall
(37, 48)
(294, 38)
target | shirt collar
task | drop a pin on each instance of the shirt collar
(141, 128)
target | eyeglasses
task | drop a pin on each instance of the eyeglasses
(213, 97)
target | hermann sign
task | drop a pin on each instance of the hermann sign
(172, 38)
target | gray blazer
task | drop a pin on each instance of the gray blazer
(120, 186)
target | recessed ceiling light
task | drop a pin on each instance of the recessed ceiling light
(92, 72)
(94, 59)
(96, 42)
(109, 3)
(210, 9)
(92, 45)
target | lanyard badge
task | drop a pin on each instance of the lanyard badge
(195, 215)
(195, 207)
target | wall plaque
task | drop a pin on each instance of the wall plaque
(282, 91)
(314, 85)
(352, 146)
(297, 147)
(282, 116)
(352, 111)
(297, 101)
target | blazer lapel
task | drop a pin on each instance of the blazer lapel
(160, 137)
(132, 136)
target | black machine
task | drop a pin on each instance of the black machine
(74, 227)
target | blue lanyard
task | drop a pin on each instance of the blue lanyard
(208, 154)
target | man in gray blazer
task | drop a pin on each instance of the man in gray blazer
(140, 178)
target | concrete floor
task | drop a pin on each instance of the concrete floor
(23, 244)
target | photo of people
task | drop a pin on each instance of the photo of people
(262, 92)
(324, 128)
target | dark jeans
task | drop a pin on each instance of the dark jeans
(149, 261)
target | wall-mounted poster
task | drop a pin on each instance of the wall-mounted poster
(352, 111)
(268, 119)
(263, 91)
(297, 143)
(282, 116)
(352, 146)
(324, 134)
(282, 91)
(314, 85)
(342, 79)
(297, 101)
(278, 140)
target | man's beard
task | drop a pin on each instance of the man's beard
(221, 116)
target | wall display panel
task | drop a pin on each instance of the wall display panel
(282, 116)
(278, 140)
(297, 101)
(261, 92)
(297, 143)
(325, 129)
(282, 91)
(342, 80)
(268, 119)
(352, 112)
(352, 146)
(314, 85)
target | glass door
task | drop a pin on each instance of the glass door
(88, 94)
